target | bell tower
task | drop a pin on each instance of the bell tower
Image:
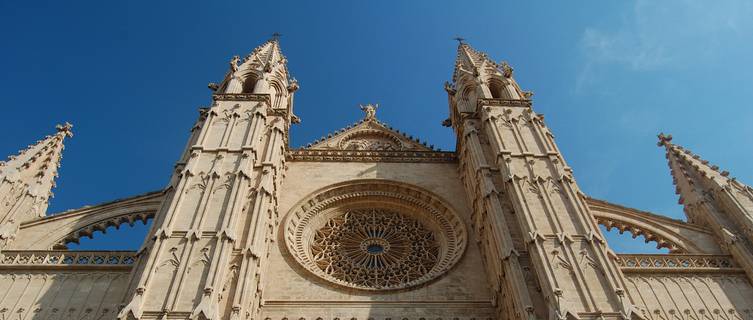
(544, 253)
(207, 250)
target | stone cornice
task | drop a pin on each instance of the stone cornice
(370, 156)
(413, 303)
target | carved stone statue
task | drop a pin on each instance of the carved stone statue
(234, 63)
(370, 111)
(506, 69)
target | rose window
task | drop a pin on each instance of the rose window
(374, 235)
(374, 248)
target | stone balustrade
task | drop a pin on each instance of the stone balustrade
(29, 258)
(677, 263)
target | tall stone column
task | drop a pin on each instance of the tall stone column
(541, 243)
(206, 253)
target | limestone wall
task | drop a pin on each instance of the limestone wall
(688, 287)
(692, 296)
(62, 285)
(292, 292)
(61, 294)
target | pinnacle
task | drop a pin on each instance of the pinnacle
(265, 58)
(693, 175)
(470, 60)
(687, 156)
(664, 139)
(65, 129)
(34, 168)
(267, 55)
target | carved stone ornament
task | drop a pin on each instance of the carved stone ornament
(370, 140)
(374, 235)
(374, 248)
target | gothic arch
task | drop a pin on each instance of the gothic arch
(56, 231)
(276, 94)
(468, 93)
(677, 236)
(249, 80)
(497, 88)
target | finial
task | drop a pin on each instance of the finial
(276, 36)
(65, 129)
(234, 63)
(459, 40)
(664, 139)
(506, 69)
(293, 85)
(369, 110)
(448, 87)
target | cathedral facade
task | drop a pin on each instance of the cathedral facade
(370, 223)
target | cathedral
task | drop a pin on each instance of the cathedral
(369, 223)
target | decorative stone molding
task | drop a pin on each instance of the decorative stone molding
(241, 97)
(636, 231)
(394, 209)
(56, 231)
(504, 102)
(370, 156)
(372, 140)
(101, 226)
(67, 259)
(675, 235)
(695, 263)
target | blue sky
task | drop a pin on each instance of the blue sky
(608, 75)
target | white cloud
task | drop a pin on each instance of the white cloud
(660, 34)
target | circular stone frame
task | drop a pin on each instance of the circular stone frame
(309, 214)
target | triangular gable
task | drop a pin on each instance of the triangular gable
(369, 134)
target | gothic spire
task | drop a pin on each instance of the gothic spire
(468, 60)
(27, 179)
(476, 76)
(265, 66)
(699, 181)
(267, 55)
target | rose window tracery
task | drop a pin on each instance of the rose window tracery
(374, 248)
(374, 235)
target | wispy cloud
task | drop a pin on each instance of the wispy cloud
(666, 34)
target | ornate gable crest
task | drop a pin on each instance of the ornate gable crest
(369, 134)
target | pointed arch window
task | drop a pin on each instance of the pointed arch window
(249, 83)
(497, 89)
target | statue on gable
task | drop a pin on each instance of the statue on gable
(234, 63)
(370, 111)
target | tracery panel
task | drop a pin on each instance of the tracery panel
(374, 235)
